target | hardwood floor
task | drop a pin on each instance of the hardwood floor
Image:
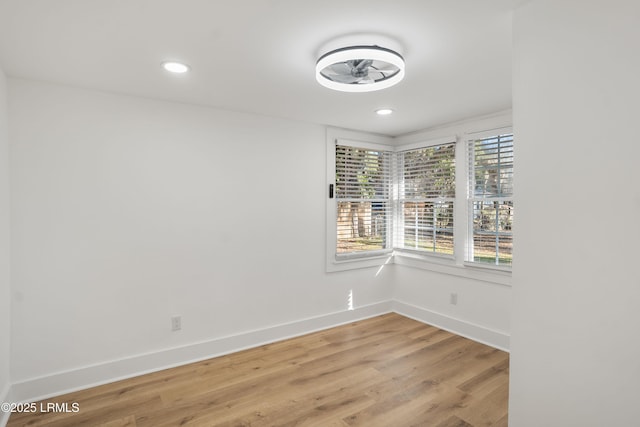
(387, 371)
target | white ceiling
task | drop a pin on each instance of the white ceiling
(259, 55)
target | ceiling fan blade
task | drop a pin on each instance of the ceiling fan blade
(363, 64)
(341, 68)
(375, 75)
(345, 79)
(386, 70)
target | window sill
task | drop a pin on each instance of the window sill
(446, 265)
(346, 263)
(488, 267)
(442, 264)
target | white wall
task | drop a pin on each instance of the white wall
(482, 311)
(127, 211)
(575, 353)
(483, 308)
(4, 245)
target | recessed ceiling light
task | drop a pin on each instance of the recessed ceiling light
(175, 67)
(384, 111)
(360, 68)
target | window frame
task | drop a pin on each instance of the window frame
(389, 210)
(335, 262)
(470, 198)
(457, 265)
(398, 217)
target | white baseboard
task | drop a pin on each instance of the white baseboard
(77, 379)
(5, 396)
(481, 334)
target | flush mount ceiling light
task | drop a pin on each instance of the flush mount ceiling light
(175, 67)
(384, 111)
(360, 68)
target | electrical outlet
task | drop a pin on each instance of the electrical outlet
(176, 323)
(453, 299)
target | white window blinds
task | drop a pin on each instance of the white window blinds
(426, 196)
(363, 199)
(491, 199)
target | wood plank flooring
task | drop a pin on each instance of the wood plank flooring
(388, 371)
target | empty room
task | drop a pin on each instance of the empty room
(338, 213)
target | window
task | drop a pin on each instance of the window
(490, 199)
(363, 200)
(414, 204)
(426, 198)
